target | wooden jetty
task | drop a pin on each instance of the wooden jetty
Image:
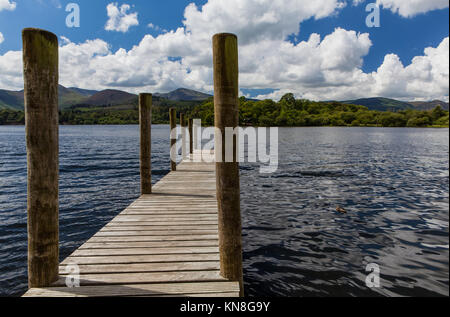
(163, 244)
(182, 237)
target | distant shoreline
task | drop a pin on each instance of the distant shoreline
(206, 126)
(288, 112)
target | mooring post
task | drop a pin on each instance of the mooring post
(40, 67)
(183, 136)
(226, 111)
(197, 123)
(173, 138)
(191, 136)
(145, 123)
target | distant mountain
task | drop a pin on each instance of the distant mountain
(386, 104)
(73, 96)
(427, 105)
(380, 104)
(69, 97)
(111, 97)
(11, 99)
(84, 92)
(183, 94)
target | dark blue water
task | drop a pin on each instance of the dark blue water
(394, 184)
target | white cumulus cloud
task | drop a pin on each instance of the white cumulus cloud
(11, 69)
(7, 5)
(410, 8)
(253, 20)
(320, 68)
(120, 19)
(427, 77)
(2, 39)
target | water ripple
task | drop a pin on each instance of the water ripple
(394, 184)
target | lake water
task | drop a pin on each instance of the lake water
(394, 184)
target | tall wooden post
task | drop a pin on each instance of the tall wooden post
(173, 138)
(197, 123)
(191, 136)
(40, 65)
(183, 136)
(226, 111)
(145, 123)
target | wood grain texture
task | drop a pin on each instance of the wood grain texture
(229, 289)
(173, 138)
(226, 115)
(40, 64)
(152, 277)
(145, 267)
(191, 136)
(146, 244)
(163, 244)
(145, 125)
(183, 136)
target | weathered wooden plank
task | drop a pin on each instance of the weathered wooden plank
(141, 259)
(195, 186)
(171, 199)
(179, 213)
(144, 251)
(177, 201)
(162, 223)
(186, 218)
(154, 238)
(210, 295)
(201, 177)
(182, 206)
(152, 244)
(161, 212)
(171, 203)
(168, 228)
(136, 278)
(153, 233)
(171, 289)
(144, 267)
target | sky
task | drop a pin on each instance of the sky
(318, 50)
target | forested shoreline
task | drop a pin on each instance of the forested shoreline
(288, 112)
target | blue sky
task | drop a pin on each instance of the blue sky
(405, 32)
(51, 15)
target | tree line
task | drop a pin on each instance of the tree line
(287, 112)
(291, 112)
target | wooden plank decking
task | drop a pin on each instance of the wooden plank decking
(163, 244)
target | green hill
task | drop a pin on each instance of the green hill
(111, 97)
(84, 92)
(386, 104)
(380, 104)
(67, 97)
(11, 99)
(184, 94)
(427, 105)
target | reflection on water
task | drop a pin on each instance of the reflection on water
(394, 184)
